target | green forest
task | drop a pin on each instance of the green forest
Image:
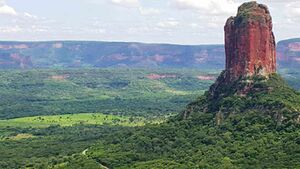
(131, 118)
(111, 91)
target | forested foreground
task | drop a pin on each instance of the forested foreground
(246, 141)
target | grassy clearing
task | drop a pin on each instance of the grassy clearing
(74, 119)
(21, 136)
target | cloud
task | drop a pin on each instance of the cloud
(94, 30)
(29, 16)
(142, 29)
(195, 26)
(5, 9)
(149, 11)
(21, 19)
(8, 10)
(293, 9)
(10, 29)
(126, 3)
(170, 23)
(209, 14)
(292, 13)
(215, 7)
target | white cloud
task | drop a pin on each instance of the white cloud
(210, 15)
(95, 31)
(215, 7)
(27, 15)
(8, 10)
(135, 30)
(170, 23)
(149, 11)
(293, 9)
(126, 3)
(196, 26)
(292, 13)
(10, 29)
(5, 9)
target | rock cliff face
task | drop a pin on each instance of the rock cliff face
(250, 49)
(249, 42)
(249, 84)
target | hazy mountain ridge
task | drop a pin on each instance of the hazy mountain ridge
(288, 52)
(126, 54)
(107, 54)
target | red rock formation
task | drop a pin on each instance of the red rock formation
(249, 42)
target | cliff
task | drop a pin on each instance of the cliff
(249, 42)
(249, 84)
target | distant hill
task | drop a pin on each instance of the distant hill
(288, 52)
(107, 54)
(126, 54)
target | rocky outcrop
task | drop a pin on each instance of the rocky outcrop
(249, 85)
(249, 42)
(250, 49)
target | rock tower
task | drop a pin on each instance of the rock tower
(249, 42)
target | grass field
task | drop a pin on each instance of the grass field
(75, 119)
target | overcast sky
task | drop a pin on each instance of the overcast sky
(159, 21)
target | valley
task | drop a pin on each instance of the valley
(110, 91)
(62, 118)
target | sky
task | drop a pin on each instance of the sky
(190, 22)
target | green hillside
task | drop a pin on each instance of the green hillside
(269, 96)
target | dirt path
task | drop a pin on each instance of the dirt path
(84, 153)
